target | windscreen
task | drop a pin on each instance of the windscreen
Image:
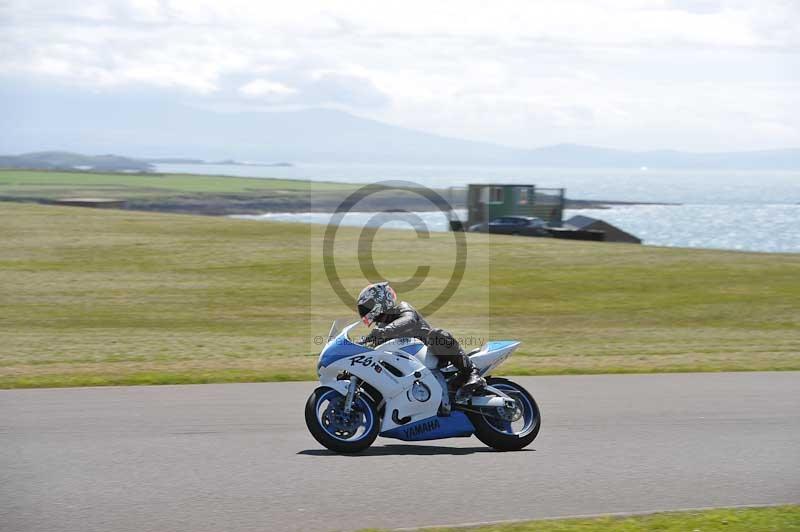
(335, 330)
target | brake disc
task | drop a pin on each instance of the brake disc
(344, 424)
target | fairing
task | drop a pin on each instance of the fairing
(393, 368)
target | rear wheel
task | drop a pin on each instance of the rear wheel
(337, 430)
(508, 431)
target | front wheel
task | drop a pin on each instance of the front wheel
(498, 429)
(337, 430)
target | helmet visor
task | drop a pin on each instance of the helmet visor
(364, 309)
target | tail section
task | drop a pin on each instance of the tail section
(493, 354)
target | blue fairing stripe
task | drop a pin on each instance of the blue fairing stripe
(457, 424)
(339, 349)
(499, 344)
(412, 349)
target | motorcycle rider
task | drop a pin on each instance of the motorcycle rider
(378, 305)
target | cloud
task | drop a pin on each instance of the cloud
(632, 73)
(318, 88)
(263, 88)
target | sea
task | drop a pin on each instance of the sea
(742, 210)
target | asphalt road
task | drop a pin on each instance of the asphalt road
(238, 457)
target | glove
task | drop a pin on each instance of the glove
(374, 337)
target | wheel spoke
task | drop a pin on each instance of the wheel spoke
(528, 417)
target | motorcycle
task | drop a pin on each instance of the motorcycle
(398, 389)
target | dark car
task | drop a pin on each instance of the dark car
(518, 225)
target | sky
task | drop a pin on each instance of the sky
(698, 75)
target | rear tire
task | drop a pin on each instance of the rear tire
(317, 421)
(492, 436)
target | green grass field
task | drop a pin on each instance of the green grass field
(773, 519)
(98, 297)
(53, 184)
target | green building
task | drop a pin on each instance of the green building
(487, 202)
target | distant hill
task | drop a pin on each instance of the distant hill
(150, 129)
(558, 156)
(175, 160)
(64, 160)
(61, 160)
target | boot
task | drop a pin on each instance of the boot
(468, 379)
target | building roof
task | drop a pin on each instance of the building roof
(579, 221)
(612, 232)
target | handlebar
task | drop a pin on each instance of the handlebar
(369, 342)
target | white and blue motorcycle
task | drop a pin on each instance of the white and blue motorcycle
(398, 390)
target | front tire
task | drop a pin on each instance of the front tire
(329, 425)
(501, 435)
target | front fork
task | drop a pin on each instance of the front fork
(351, 393)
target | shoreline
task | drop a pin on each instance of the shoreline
(248, 205)
(283, 195)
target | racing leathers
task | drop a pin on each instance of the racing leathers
(403, 321)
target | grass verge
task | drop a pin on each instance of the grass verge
(101, 297)
(770, 519)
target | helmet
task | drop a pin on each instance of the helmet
(374, 300)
